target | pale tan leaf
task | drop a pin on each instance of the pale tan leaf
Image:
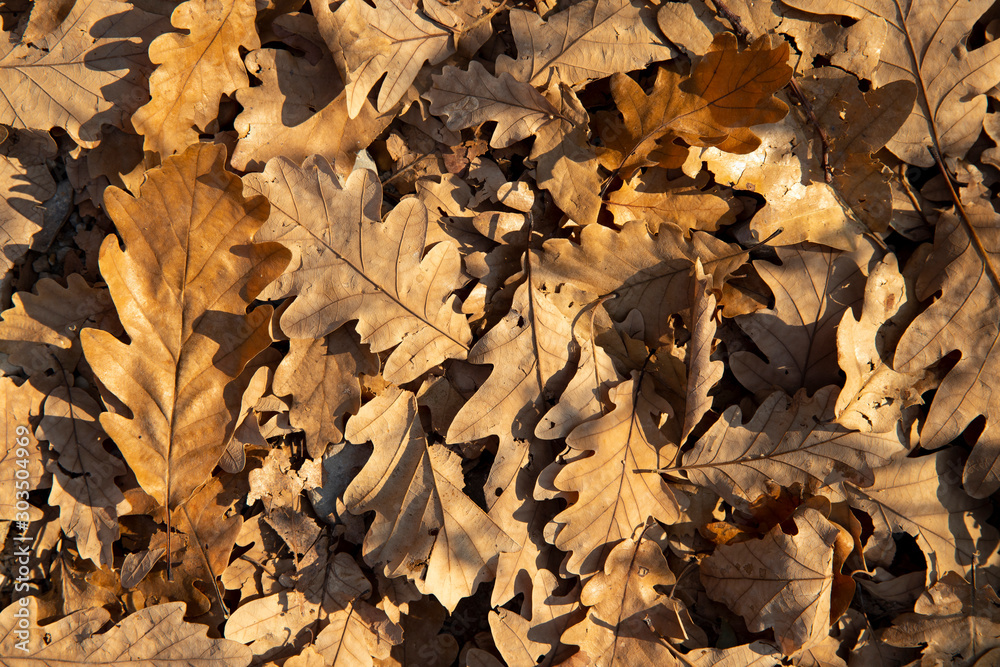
(923, 497)
(812, 287)
(390, 39)
(54, 318)
(651, 273)
(20, 451)
(967, 318)
(874, 395)
(84, 477)
(530, 350)
(322, 377)
(46, 15)
(628, 616)
(194, 70)
(703, 373)
(469, 20)
(88, 71)
(589, 40)
(24, 187)
(926, 43)
(683, 202)
(153, 635)
(280, 117)
(182, 292)
(780, 582)
(612, 497)
(756, 654)
(956, 623)
(788, 441)
(525, 642)
(475, 96)
(426, 528)
(350, 264)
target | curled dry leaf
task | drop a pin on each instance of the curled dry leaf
(522, 641)
(194, 71)
(923, 497)
(780, 582)
(182, 294)
(426, 528)
(350, 264)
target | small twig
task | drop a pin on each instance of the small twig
(824, 158)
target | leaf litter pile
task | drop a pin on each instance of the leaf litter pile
(495, 332)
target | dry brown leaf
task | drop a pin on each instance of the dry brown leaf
(524, 642)
(781, 582)
(923, 497)
(21, 451)
(956, 623)
(85, 73)
(966, 317)
(24, 187)
(390, 39)
(788, 441)
(469, 20)
(651, 273)
(426, 643)
(608, 477)
(530, 350)
(475, 96)
(148, 636)
(426, 528)
(926, 43)
(322, 377)
(683, 202)
(756, 654)
(628, 616)
(83, 484)
(183, 301)
(589, 40)
(194, 71)
(874, 395)
(728, 90)
(280, 117)
(812, 287)
(46, 15)
(350, 264)
(702, 372)
(54, 318)
(786, 169)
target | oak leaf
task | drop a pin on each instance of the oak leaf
(924, 498)
(20, 450)
(475, 96)
(629, 616)
(24, 187)
(926, 43)
(83, 480)
(182, 292)
(280, 116)
(812, 287)
(86, 72)
(536, 640)
(321, 374)
(683, 202)
(589, 40)
(703, 373)
(390, 39)
(425, 528)
(152, 635)
(782, 582)
(728, 90)
(608, 476)
(194, 71)
(874, 395)
(788, 441)
(966, 317)
(651, 273)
